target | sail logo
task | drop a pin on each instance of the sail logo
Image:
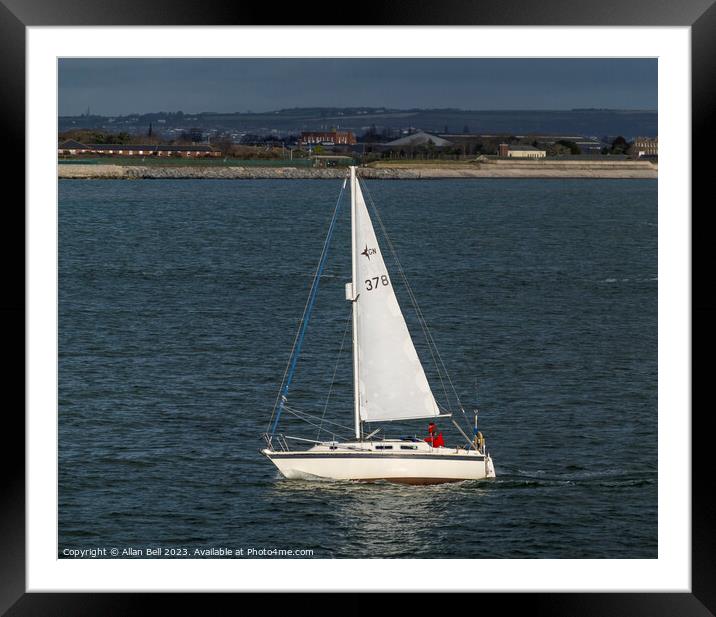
(368, 252)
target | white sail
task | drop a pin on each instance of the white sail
(391, 380)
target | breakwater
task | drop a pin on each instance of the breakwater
(492, 169)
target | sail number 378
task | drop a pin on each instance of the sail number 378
(376, 281)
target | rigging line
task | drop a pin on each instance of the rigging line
(298, 340)
(305, 308)
(432, 346)
(431, 341)
(421, 316)
(421, 320)
(290, 411)
(298, 412)
(335, 370)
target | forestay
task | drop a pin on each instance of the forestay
(391, 380)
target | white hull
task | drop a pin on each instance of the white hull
(363, 462)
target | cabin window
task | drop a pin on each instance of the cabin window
(384, 447)
(408, 447)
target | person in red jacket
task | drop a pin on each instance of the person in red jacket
(434, 438)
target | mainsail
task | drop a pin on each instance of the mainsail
(391, 380)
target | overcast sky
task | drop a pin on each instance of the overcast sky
(123, 86)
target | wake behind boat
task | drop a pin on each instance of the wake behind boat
(389, 384)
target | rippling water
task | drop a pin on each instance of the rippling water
(178, 304)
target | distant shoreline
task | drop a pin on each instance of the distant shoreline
(404, 171)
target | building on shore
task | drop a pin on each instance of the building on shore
(419, 139)
(476, 143)
(415, 145)
(517, 151)
(646, 146)
(326, 138)
(72, 147)
(586, 145)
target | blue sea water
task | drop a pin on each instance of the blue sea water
(178, 305)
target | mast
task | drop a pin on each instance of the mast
(356, 392)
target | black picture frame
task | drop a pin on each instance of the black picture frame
(17, 15)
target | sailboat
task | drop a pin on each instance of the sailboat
(389, 385)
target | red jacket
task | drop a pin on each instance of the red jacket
(436, 441)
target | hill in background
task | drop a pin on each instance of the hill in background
(587, 122)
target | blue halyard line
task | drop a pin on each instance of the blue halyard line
(311, 301)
